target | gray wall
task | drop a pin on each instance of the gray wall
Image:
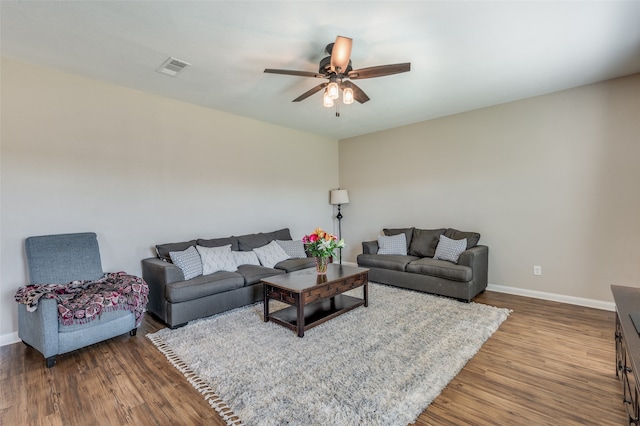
(552, 181)
(139, 170)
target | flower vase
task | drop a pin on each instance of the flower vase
(321, 264)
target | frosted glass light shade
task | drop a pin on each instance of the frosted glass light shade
(347, 96)
(333, 90)
(326, 99)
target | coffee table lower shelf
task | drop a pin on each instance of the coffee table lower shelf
(317, 312)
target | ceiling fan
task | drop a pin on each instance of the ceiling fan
(337, 69)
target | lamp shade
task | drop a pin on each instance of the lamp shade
(339, 196)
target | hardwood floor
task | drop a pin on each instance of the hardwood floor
(548, 364)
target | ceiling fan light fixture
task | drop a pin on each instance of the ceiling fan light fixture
(333, 90)
(347, 96)
(326, 99)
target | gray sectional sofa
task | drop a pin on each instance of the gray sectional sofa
(445, 262)
(176, 300)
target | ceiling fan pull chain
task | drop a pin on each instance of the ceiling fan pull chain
(337, 110)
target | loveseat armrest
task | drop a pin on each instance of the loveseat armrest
(157, 274)
(477, 258)
(369, 247)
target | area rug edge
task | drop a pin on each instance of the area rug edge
(198, 384)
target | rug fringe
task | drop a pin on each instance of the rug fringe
(200, 385)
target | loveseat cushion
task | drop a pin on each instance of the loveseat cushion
(254, 273)
(408, 233)
(472, 237)
(204, 285)
(424, 242)
(291, 265)
(385, 261)
(440, 268)
(163, 250)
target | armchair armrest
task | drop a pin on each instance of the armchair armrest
(39, 329)
(369, 247)
(477, 258)
(158, 273)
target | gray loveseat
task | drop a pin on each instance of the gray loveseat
(420, 266)
(176, 300)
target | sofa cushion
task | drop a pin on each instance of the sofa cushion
(293, 248)
(163, 250)
(291, 265)
(385, 261)
(408, 232)
(216, 259)
(280, 234)
(424, 242)
(393, 244)
(449, 249)
(440, 268)
(187, 260)
(254, 273)
(245, 258)
(204, 285)
(219, 242)
(472, 237)
(250, 241)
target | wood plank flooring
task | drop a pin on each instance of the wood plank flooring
(548, 364)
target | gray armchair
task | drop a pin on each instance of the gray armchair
(60, 259)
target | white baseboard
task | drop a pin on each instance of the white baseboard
(9, 338)
(572, 300)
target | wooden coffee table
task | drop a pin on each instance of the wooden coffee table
(314, 298)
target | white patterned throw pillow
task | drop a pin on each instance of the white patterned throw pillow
(189, 261)
(293, 248)
(393, 244)
(245, 258)
(271, 254)
(216, 259)
(448, 249)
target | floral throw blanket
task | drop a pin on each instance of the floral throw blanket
(82, 301)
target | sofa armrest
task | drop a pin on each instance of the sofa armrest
(477, 258)
(157, 274)
(369, 247)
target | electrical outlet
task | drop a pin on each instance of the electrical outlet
(537, 270)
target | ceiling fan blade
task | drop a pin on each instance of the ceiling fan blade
(293, 72)
(379, 71)
(358, 93)
(308, 93)
(340, 54)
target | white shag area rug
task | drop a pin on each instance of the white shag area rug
(380, 365)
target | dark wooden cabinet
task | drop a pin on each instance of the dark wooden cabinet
(627, 300)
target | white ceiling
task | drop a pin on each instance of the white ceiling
(464, 55)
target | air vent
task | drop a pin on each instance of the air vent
(172, 66)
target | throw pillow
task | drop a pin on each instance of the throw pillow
(245, 258)
(449, 249)
(293, 248)
(216, 259)
(187, 260)
(271, 254)
(408, 233)
(424, 242)
(394, 244)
